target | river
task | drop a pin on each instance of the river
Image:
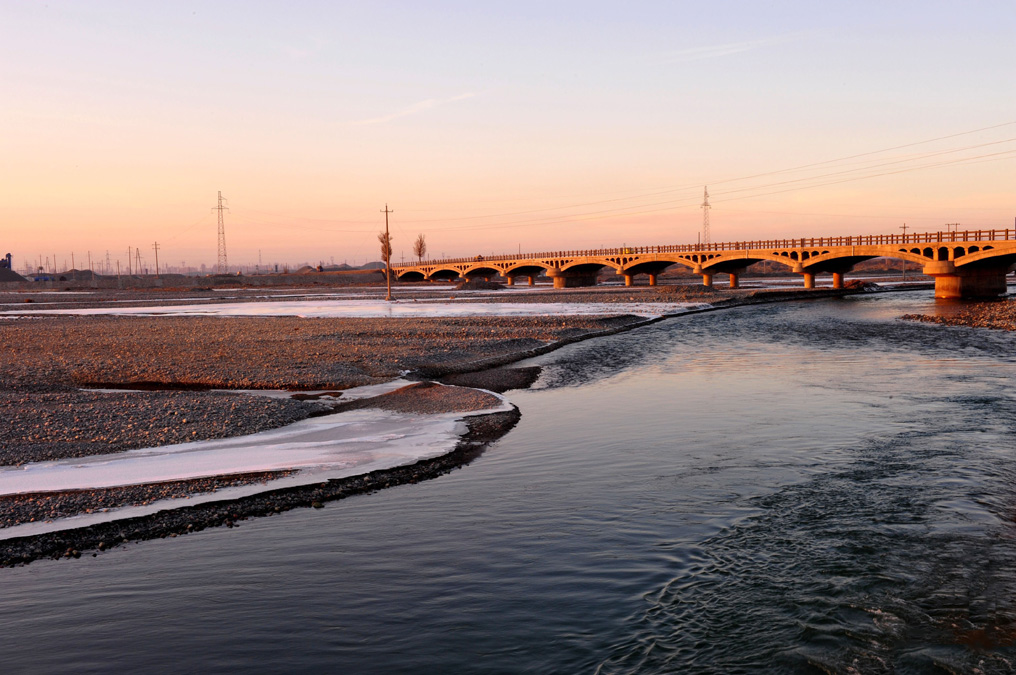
(801, 487)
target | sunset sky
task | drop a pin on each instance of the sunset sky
(491, 127)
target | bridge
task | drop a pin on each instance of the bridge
(968, 264)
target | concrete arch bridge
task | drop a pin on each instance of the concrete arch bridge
(966, 264)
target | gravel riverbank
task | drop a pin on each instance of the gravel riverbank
(999, 315)
(48, 360)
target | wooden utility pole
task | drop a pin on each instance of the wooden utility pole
(388, 255)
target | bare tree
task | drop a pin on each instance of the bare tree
(420, 247)
(386, 245)
(385, 239)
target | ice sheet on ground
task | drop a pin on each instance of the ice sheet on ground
(334, 446)
(380, 309)
(351, 394)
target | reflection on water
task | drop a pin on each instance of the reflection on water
(806, 487)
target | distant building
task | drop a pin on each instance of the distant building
(5, 262)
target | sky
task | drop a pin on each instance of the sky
(494, 127)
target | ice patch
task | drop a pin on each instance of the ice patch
(397, 309)
(320, 448)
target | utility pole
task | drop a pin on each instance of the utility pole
(129, 256)
(223, 265)
(904, 228)
(388, 254)
(137, 260)
(705, 217)
(156, 247)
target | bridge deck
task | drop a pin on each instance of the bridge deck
(970, 263)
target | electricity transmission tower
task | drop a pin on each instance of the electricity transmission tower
(705, 217)
(223, 265)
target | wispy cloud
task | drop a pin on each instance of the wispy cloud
(418, 107)
(716, 51)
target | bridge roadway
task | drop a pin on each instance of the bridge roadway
(969, 264)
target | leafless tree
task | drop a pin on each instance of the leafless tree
(386, 245)
(420, 247)
(385, 239)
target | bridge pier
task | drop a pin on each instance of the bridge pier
(953, 283)
(511, 280)
(532, 281)
(707, 280)
(837, 279)
(629, 280)
(652, 279)
(574, 281)
(809, 279)
(571, 279)
(734, 281)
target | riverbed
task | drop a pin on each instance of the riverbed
(800, 487)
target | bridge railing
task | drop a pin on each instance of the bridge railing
(966, 236)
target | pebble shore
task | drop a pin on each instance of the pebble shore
(998, 315)
(43, 506)
(49, 360)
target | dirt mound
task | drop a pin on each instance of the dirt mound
(682, 292)
(428, 398)
(496, 379)
(858, 285)
(7, 274)
(479, 285)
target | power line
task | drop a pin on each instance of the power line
(738, 179)
(670, 204)
(845, 175)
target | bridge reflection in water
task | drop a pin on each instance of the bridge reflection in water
(969, 264)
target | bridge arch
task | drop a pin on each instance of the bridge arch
(589, 265)
(738, 261)
(988, 254)
(410, 275)
(480, 270)
(527, 269)
(443, 273)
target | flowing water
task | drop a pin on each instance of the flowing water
(800, 487)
